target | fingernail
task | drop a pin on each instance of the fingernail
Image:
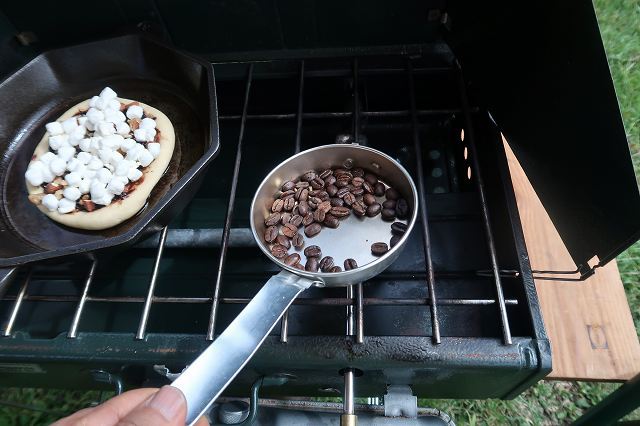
(168, 401)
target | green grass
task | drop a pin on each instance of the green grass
(547, 403)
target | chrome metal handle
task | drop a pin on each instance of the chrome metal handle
(205, 379)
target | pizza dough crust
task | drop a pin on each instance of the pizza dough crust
(119, 210)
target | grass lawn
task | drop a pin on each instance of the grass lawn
(548, 403)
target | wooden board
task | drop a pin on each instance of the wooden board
(589, 323)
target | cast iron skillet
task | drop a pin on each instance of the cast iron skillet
(136, 68)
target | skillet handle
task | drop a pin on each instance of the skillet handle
(205, 379)
(6, 278)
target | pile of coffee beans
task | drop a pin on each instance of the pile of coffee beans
(319, 199)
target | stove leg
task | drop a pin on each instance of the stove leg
(349, 417)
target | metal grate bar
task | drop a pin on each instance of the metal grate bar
(324, 301)
(470, 137)
(344, 114)
(152, 286)
(230, 206)
(359, 314)
(17, 304)
(435, 324)
(73, 331)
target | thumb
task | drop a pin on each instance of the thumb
(167, 407)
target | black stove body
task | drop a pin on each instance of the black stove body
(433, 84)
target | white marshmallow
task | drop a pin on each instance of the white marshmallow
(90, 126)
(73, 164)
(122, 169)
(69, 125)
(97, 189)
(102, 104)
(66, 153)
(85, 145)
(57, 166)
(151, 134)
(134, 152)
(95, 116)
(114, 116)
(85, 186)
(84, 157)
(104, 175)
(39, 165)
(54, 128)
(145, 157)
(93, 100)
(134, 174)
(154, 149)
(50, 202)
(134, 111)
(122, 128)
(47, 176)
(95, 143)
(34, 176)
(47, 157)
(66, 206)
(82, 120)
(115, 186)
(73, 178)
(105, 128)
(140, 135)
(88, 173)
(127, 144)
(95, 164)
(105, 155)
(114, 104)
(55, 142)
(108, 93)
(116, 158)
(77, 135)
(71, 193)
(105, 200)
(110, 167)
(111, 142)
(148, 123)
(123, 179)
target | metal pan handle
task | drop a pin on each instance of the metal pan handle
(205, 379)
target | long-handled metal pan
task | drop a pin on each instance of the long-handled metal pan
(213, 370)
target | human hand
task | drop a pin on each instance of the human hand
(140, 407)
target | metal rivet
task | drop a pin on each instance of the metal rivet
(434, 154)
(436, 172)
(348, 163)
(375, 165)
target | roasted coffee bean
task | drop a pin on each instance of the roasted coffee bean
(295, 211)
(301, 194)
(331, 221)
(312, 204)
(330, 180)
(298, 241)
(332, 190)
(270, 234)
(368, 188)
(319, 215)
(357, 182)
(398, 228)
(369, 199)
(378, 249)
(342, 172)
(357, 172)
(287, 194)
(392, 194)
(314, 200)
(287, 186)
(279, 251)
(292, 259)
(374, 209)
(371, 178)
(283, 241)
(402, 208)
(335, 269)
(289, 204)
(359, 209)
(299, 266)
(313, 251)
(323, 195)
(277, 205)
(303, 208)
(339, 211)
(273, 219)
(326, 173)
(312, 264)
(307, 219)
(342, 192)
(289, 230)
(342, 181)
(302, 184)
(285, 218)
(349, 198)
(336, 202)
(394, 240)
(357, 191)
(350, 264)
(388, 214)
(312, 229)
(325, 206)
(308, 176)
(296, 220)
(378, 189)
(326, 263)
(317, 183)
(389, 204)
